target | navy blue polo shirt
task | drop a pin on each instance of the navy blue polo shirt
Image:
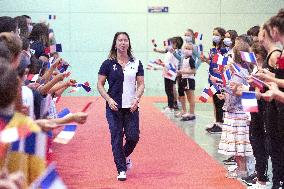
(122, 82)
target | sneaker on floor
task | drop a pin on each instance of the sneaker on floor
(168, 110)
(250, 180)
(128, 163)
(232, 171)
(230, 161)
(188, 117)
(216, 129)
(179, 114)
(121, 176)
(258, 186)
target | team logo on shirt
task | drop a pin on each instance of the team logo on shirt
(114, 67)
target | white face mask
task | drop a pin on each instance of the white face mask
(187, 53)
(228, 42)
(216, 39)
(30, 28)
(188, 39)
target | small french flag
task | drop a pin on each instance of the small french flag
(204, 96)
(86, 86)
(236, 68)
(51, 17)
(226, 77)
(198, 35)
(63, 113)
(248, 57)
(34, 144)
(249, 102)
(212, 90)
(63, 67)
(49, 180)
(53, 48)
(66, 134)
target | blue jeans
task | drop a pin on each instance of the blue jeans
(123, 122)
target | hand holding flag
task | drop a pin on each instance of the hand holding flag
(154, 43)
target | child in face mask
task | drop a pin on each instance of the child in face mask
(186, 85)
(217, 40)
(229, 40)
(189, 36)
(196, 54)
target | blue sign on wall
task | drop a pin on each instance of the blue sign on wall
(158, 9)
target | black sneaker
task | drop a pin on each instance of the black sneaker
(216, 129)
(250, 180)
(230, 161)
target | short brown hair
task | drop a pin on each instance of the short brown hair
(9, 84)
(13, 42)
(257, 48)
(240, 46)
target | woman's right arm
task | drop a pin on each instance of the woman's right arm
(100, 86)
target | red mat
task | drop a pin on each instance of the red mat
(164, 157)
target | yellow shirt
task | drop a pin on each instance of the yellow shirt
(32, 166)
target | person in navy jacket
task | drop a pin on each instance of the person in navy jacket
(125, 77)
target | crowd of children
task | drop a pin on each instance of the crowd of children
(248, 139)
(31, 78)
(28, 104)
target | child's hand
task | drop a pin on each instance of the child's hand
(221, 96)
(80, 117)
(71, 82)
(57, 63)
(46, 124)
(271, 93)
(33, 85)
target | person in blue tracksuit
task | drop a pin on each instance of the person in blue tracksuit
(125, 76)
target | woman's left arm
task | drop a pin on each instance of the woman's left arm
(139, 92)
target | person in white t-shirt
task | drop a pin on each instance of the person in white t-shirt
(187, 82)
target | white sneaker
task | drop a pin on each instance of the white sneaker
(121, 176)
(168, 110)
(258, 186)
(128, 163)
